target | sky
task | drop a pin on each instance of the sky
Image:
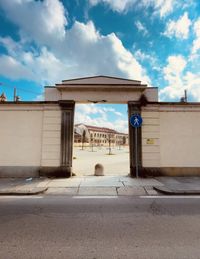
(155, 41)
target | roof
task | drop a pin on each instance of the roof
(103, 82)
(100, 129)
(100, 80)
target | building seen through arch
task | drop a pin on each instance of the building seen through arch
(99, 136)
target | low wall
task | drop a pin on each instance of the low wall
(171, 139)
(29, 138)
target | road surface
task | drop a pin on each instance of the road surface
(95, 228)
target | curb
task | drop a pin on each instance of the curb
(41, 190)
(165, 190)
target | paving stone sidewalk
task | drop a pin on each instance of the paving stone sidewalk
(101, 185)
(87, 185)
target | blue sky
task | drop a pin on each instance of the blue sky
(155, 41)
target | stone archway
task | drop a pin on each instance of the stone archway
(99, 89)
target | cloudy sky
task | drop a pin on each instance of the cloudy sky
(155, 41)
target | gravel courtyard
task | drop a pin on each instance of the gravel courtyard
(115, 164)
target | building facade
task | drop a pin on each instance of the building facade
(99, 136)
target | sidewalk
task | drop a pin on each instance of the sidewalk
(179, 185)
(20, 186)
(87, 185)
(101, 185)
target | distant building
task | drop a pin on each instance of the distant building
(98, 136)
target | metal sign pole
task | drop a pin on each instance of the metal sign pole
(136, 153)
(136, 121)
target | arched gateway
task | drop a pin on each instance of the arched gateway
(98, 89)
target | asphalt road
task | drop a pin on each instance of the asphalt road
(93, 228)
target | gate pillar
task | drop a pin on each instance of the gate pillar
(135, 108)
(57, 147)
(67, 135)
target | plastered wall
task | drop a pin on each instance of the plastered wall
(180, 137)
(171, 136)
(29, 138)
(20, 135)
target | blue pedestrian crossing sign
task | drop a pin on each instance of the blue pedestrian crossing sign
(136, 120)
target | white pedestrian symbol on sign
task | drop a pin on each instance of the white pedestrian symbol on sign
(136, 121)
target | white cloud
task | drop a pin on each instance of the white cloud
(116, 5)
(141, 27)
(82, 52)
(11, 46)
(152, 59)
(173, 75)
(196, 42)
(42, 67)
(13, 69)
(40, 20)
(192, 83)
(178, 79)
(118, 114)
(39, 97)
(161, 7)
(179, 28)
(175, 66)
(97, 115)
(89, 109)
(141, 55)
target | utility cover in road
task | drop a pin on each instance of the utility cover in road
(136, 120)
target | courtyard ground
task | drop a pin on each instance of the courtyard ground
(116, 164)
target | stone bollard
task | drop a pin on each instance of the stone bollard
(98, 170)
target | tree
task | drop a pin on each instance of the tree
(92, 143)
(124, 140)
(119, 143)
(83, 138)
(109, 139)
